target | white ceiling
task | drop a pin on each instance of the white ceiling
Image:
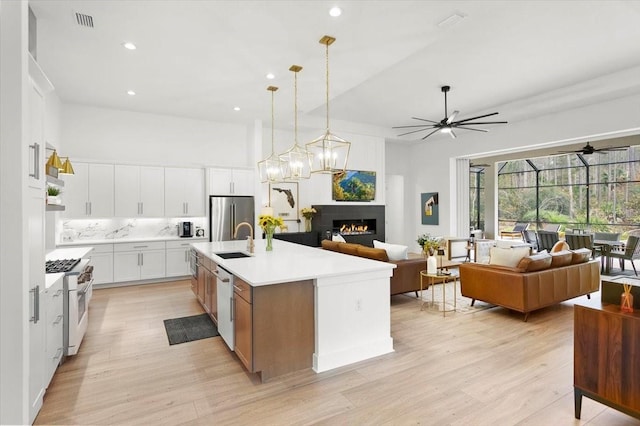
(199, 59)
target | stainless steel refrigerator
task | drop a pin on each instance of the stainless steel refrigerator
(225, 213)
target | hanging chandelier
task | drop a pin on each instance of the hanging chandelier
(271, 168)
(296, 160)
(329, 153)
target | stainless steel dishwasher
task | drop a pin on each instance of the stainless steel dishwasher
(225, 305)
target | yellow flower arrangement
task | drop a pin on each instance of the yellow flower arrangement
(269, 223)
(308, 212)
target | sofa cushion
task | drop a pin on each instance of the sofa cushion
(507, 257)
(348, 248)
(373, 253)
(580, 255)
(535, 262)
(329, 245)
(560, 246)
(561, 258)
(394, 251)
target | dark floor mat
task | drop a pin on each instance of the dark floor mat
(188, 329)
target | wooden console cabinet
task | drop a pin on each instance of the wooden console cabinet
(274, 327)
(606, 352)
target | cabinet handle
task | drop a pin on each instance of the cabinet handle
(238, 288)
(138, 259)
(140, 246)
(142, 259)
(224, 280)
(58, 319)
(90, 208)
(141, 207)
(86, 208)
(231, 309)
(230, 187)
(58, 354)
(36, 161)
(36, 304)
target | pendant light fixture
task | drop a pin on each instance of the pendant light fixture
(271, 169)
(67, 168)
(54, 160)
(296, 160)
(329, 152)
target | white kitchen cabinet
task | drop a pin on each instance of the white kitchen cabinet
(231, 181)
(102, 261)
(177, 259)
(184, 192)
(139, 191)
(54, 346)
(138, 261)
(90, 191)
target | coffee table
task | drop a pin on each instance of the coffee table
(438, 279)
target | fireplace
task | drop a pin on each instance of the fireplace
(356, 224)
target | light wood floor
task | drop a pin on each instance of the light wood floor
(480, 368)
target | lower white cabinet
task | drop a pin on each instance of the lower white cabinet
(138, 261)
(102, 261)
(177, 259)
(53, 331)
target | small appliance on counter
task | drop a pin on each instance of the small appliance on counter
(199, 232)
(185, 229)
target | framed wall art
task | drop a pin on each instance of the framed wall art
(283, 198)
(430, 208)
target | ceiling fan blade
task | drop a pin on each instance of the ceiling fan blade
(453, 135)
(613, 148)
(471, 128)
(417, 125)
(436, 130)
(416, 131)
(478, 116)
(424, 119)
(480, 122)
(452, 116)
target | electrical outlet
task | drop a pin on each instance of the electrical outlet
(358, 304)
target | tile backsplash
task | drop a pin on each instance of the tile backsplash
(114, 229)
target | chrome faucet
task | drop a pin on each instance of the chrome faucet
(250, 244)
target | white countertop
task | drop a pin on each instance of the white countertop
(287, 262)
(68, 253)
(127, 240)
(51, 279)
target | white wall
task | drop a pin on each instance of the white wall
(427, 166)
(91, 133)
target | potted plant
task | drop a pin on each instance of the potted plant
(307, 213)
(52, 195)
(428, 243)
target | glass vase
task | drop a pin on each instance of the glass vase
(269, 234)
(307, 224)
(626, 302)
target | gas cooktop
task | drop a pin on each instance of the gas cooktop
(62, 265)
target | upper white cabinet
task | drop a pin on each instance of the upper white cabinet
(139, 191)
(231, 181)
(90, 191)
(184, 192)
(40, 85)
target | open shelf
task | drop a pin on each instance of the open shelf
(55, 208)
(55, 181)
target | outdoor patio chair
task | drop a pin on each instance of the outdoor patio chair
(530, 237)
(516, 231)
(551, 227)
(546, 240)
(604, 236)
(578, 241)
(631, 253)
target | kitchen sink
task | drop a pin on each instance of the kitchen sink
(232, 255)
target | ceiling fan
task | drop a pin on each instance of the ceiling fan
(448, 123)
(588, 149)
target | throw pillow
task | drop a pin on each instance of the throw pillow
(394, 251)
(561, 258)
(535, 262)
(560, 246)
(580, 255)
(507, 257)
(338, 237)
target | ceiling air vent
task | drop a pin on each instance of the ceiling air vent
(84, 20)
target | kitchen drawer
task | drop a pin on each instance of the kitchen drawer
(179, 244)
(101, 248)
(143, 245)
(243, 289)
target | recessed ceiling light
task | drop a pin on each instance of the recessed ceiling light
(131, 93)
(129, 45)
(335, 11)
(236, 108)
(270, 76)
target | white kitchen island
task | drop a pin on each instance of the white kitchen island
(351, 294)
